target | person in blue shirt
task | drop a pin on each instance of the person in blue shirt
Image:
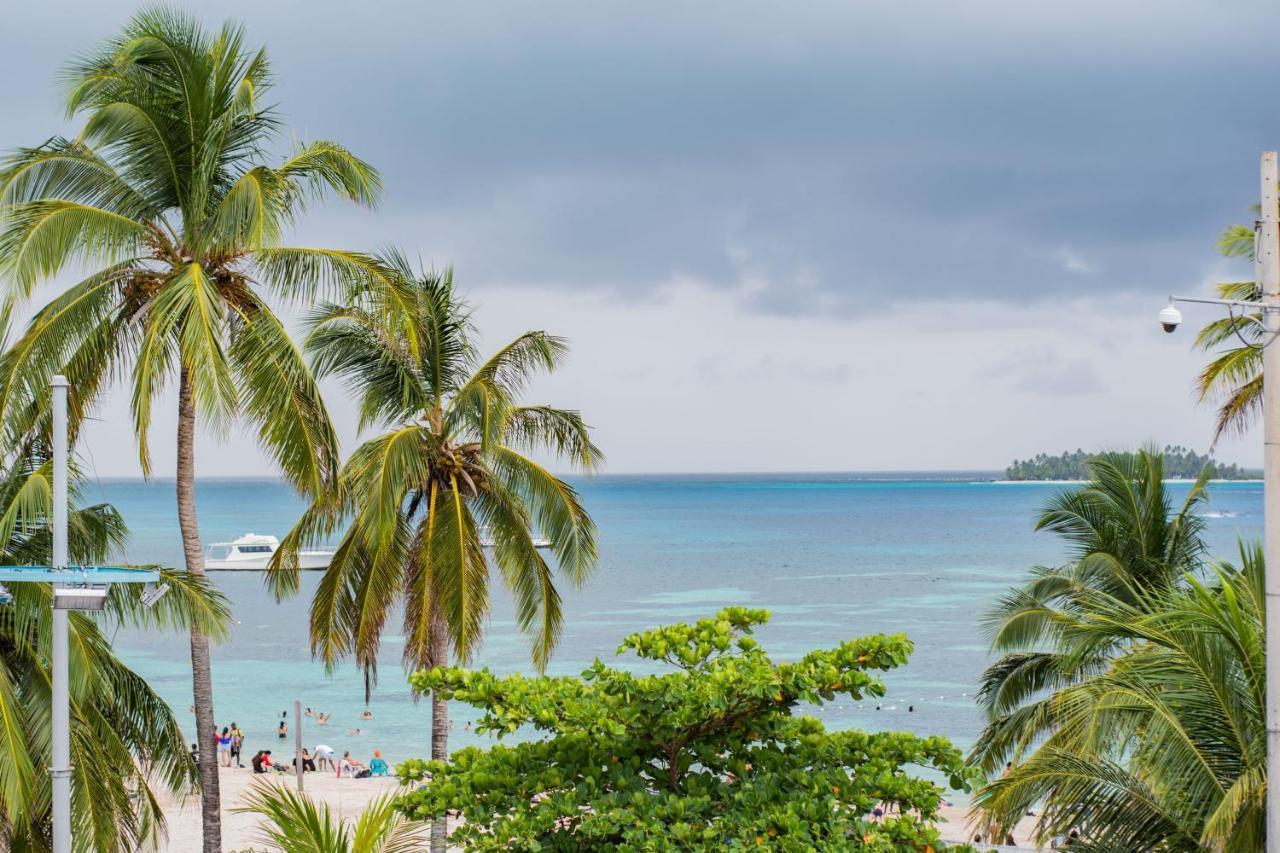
(377, 767)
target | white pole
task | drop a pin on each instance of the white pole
(1268, 253)
(61, 767)
(297, 741)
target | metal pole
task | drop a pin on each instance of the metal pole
(297, 740)
(61, 766)
(1268, 254)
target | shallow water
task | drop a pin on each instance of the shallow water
(832, 556)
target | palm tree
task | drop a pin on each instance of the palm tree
(167, 200)
(293, 822)
(418, 505)
(1164, 749)
(125, 741)
(1233, 377)
(1127, 544)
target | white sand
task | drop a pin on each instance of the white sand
(346, 797)
(955, 828)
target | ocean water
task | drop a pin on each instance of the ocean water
(833, 556)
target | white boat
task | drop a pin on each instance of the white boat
(487, 540)
(252, 551)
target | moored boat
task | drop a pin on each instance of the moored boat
(252, 552)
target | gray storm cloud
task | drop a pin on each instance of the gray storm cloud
(794, 163)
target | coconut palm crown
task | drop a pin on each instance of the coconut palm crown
(1233, 377)
(426, 508)
(1128, 542)
(167, 198)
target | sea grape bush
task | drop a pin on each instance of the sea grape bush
(707, 754)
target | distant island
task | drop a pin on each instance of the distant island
(1179, 463)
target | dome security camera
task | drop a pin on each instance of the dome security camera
(1170, 318)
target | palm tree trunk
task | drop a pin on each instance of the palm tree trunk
(201, 675)
(439, 719)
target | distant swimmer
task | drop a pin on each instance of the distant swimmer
(322, 719)
(355, 733)
(367, 715)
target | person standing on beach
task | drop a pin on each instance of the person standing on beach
(324, 756)
(237, 744)
(224, 747)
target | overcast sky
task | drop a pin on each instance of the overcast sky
(786, 236)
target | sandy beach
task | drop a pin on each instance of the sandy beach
(346, 798)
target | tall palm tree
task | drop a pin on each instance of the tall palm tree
(295, 822)
(125, 741)
(1127, 544)
(167, 200)
(418, 506)
(1233, 377)
(1165, 748)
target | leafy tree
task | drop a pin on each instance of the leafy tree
(1165, 747)
(167, 198)
(294, 822)
(125, 741)
(429, 508)
(708, 756)
(1127, 542)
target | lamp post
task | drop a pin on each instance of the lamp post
(60, 769)
(1267, 277)
(74, 588)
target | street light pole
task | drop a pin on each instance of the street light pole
(60, 768)
(1267, 280)
(1268, 260)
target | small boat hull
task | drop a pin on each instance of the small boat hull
(308, 561)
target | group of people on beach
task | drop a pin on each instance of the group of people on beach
(229, 744)
(322, 758)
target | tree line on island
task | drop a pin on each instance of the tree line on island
(1180, 463)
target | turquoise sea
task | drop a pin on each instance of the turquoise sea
(833, 556)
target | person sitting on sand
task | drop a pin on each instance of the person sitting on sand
(324, 756)
(308, 763)
(348, 765)
(259, 762)
(377, 766)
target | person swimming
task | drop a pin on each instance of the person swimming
(366, 715)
